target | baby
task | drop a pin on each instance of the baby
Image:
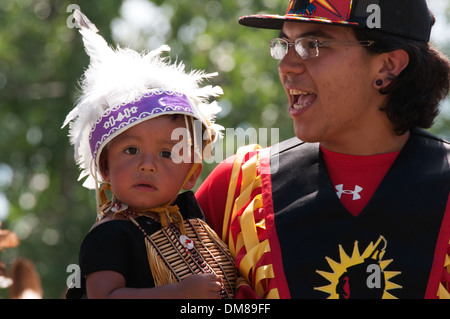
(134, 132)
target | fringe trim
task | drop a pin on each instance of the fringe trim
(170, 262)
(162, 275)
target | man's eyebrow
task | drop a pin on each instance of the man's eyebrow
(282, 35)
(312, 34)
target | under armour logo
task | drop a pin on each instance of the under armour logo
(340, 190)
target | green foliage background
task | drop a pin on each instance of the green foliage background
(41, 60)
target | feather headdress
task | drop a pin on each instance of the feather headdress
(122, 88)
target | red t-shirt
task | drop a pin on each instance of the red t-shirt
(355, 178)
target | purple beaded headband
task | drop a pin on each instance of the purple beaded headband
(122, 117)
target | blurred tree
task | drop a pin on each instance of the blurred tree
(41, 59)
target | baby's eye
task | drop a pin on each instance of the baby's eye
(131, 151)
(165, 154)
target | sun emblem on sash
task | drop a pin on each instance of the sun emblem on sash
(361, 276)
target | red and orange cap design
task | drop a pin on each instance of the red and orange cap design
(407, 18)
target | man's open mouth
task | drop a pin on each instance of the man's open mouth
(301, 99)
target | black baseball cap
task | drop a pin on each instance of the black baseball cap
(407, 18)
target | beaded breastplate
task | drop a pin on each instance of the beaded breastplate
(182, 247)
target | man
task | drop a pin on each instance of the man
(357, 204)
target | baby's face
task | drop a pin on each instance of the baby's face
(140, 166)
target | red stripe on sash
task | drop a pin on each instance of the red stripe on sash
(275, 250)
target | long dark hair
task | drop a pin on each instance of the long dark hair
(414, 95)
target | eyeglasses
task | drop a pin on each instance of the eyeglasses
(308, 48)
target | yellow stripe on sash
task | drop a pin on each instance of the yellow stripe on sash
(246, 191)
(240, 154)
(248, 224)
(443, 292)
(240, 216)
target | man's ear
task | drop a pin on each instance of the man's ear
(190, 183)
(393, 63)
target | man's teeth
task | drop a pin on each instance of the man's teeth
(299, 106)
(298, 92)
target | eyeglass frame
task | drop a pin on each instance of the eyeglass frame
(318, 44)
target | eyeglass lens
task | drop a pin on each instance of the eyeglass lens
(308, 48)
(305, 48)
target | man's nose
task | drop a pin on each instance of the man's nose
(291, 63)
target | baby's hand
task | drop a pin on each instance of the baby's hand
(201, 286)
